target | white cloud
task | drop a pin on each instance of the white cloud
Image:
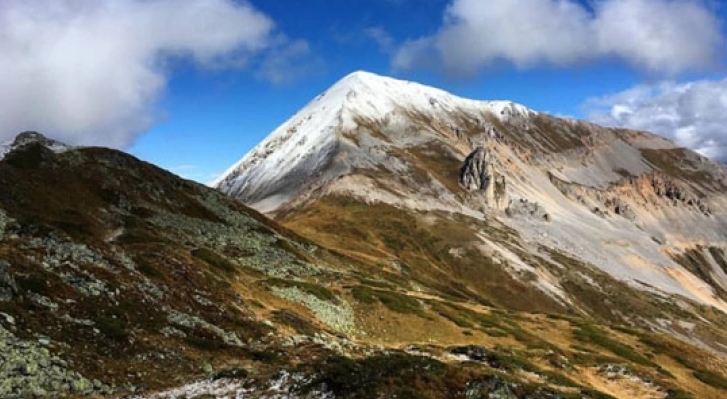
(658, 36)
(288, 62)
(692, 114)
(89, 72)
(381, 37)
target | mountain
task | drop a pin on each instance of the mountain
(498, 205)
(119, 279)
(32, 137)
(632, 204)
(280, 168)
(420, 255)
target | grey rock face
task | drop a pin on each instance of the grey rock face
(30, 137)
(477, 171)
(478, 174)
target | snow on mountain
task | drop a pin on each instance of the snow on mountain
(304, 144)
(626, 202)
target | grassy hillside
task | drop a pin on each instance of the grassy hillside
(425, 280)
(117, 277)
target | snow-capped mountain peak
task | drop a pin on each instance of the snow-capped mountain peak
(306, 143)
(612, 197)
(371, 95)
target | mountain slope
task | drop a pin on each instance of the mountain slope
(116, 276)
(569, 214)
(120, 279)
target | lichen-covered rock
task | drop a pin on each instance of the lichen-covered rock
(188, 321)
(337, 316)
(28, 369)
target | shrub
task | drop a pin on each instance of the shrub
(214, 259)
(712, 379)
(394, 374)
(113, 328)
(32, 284)
(596, 336)
(394, 301)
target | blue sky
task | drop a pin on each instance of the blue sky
(192, 85)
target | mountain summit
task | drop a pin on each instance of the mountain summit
(559, 209)
(276, 171)
(454, 252)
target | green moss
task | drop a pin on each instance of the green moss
(593, 394)
(214, 259)
(294, 321)
(317, 290)
(711, 378)
(451, 315)
(394, 301)
(558, 379)
(376, 283)
(140, 235)
(596, 336)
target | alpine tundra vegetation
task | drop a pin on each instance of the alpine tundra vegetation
(401, 235)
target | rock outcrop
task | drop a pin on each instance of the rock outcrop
(26, 138)
(478, 174)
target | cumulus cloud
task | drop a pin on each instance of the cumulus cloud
(657, 36)
(692, 114)
(89, 72)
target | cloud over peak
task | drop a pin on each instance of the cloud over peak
(89, 72)
(693, 114)
(656, 36)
